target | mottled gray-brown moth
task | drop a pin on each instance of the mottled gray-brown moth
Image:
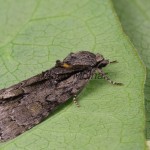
(27, 103)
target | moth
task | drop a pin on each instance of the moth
(26, 104)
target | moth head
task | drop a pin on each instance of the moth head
(101, 61)
(80, 60)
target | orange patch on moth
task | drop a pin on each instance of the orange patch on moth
(65, 65)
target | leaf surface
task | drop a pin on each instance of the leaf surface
(110, 117)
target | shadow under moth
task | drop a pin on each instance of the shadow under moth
(29, 102)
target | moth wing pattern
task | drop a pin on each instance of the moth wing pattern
(34, 100)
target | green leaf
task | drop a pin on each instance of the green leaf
(135, 18)
(110, 117)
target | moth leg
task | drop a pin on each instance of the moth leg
(107, 78)
(112, 62)
(75, 100)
